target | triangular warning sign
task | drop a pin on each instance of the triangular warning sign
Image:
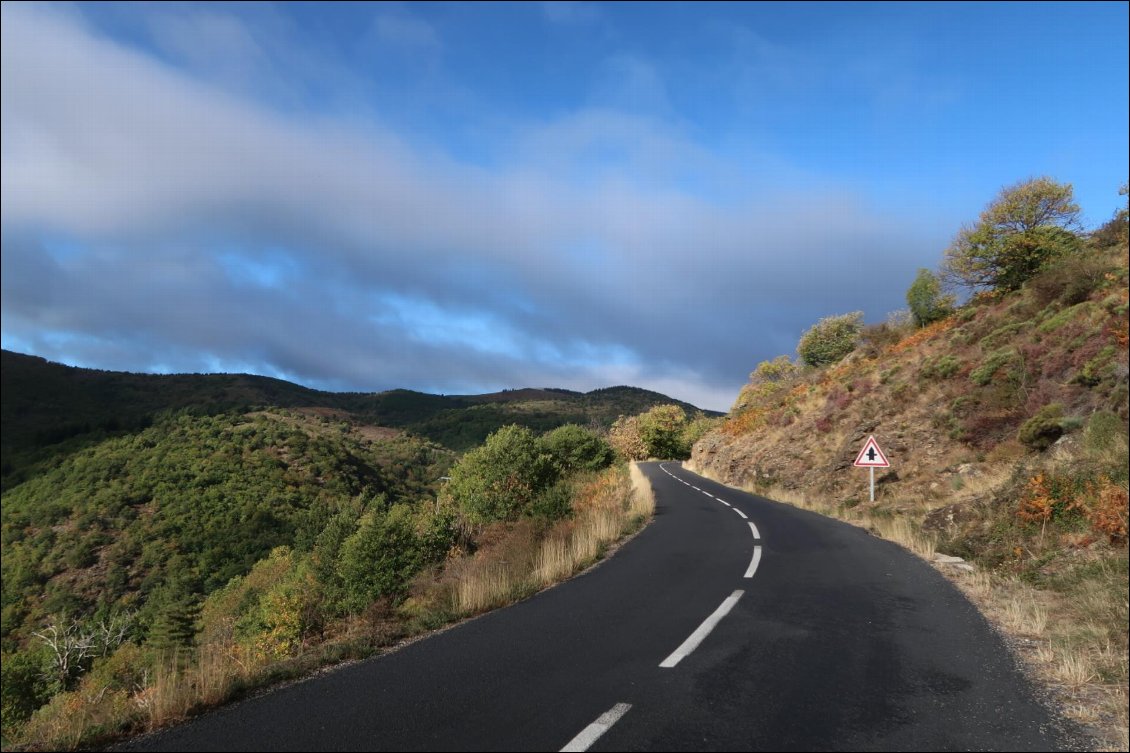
(871, 456)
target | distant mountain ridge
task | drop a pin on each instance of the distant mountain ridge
(43, 403)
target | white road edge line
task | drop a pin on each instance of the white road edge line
(727, 504)
(592, 733)
(699, 635)
(754, 563)
(739, 512)
(710, 495)
(756, 533)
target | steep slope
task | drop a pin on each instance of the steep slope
(980, 395)
(152, 520)
(1006, 428)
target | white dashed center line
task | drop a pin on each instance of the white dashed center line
(592, 733)
(699, 635)
(753, 563)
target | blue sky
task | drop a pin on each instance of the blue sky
(469, 197)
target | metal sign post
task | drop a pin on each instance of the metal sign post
(871, 457)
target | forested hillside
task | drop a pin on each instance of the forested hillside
(151, 520)
(48, 409)
(160, 529)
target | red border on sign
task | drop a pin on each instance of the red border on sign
(860, 463)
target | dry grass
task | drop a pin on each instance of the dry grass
(103, 706)
(1023, 615)
(606, 508)
(898, 529)
(985, 485)
(184, 682)
(486, 587)
(902, 532)
(1079, 640)
(643, 498)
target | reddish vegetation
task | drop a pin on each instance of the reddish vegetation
(1006, 426)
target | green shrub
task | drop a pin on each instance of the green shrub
(577, 449)
(942, 367)
(1066, 315)
(661, 430)
(1108, 446)
(501, 479)
(1003, 335)
(1042, 430)
(695, 429)
(780, 369)
(1069, 280)
(436, 530)
(380, 557)
(927, 302)
(983, 374)
(555, 502)
(1105, 432)
(1098, 368)
(23, 686)
(830, 339)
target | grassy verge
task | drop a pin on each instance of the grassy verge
(513, 561)
(524, 561)
(1069, 628)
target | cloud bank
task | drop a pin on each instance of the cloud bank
(155, 220)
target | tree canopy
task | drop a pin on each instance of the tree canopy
(1017, 233)
(501, 479)
(661, 430)
(575, 448)
(926, 300)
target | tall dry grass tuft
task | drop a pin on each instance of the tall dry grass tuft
(1067, 666)
(184, 681)
(485, 587)
(606, 507)
(168, 697)
(1023, 615)
(555, 560)
(903, 532)
(643, 497)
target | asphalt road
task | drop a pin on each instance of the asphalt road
(833, 640)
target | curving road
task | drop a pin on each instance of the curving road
(729, 623)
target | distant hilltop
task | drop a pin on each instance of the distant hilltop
(43, 403)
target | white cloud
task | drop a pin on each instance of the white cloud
(591, 270)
